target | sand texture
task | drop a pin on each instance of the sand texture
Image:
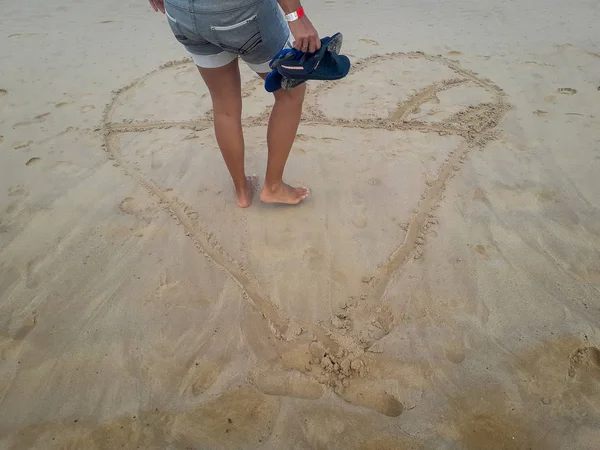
(440, 289)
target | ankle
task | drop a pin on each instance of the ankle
(240, 188)
(272, 186)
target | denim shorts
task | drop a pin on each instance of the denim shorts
(216, 32)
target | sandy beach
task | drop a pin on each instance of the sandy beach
(440, 289)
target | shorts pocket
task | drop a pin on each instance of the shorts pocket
(176, 29)
(241, 37)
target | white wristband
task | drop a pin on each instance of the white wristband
(291, 16)
(295, 15)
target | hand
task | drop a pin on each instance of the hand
(305, 35)
(158, 5)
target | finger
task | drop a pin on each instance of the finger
(317, 43)
(299, 44)
(305, 44)
(153, 6)
(161, 7)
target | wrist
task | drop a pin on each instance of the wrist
(295, 15)
(289, 6)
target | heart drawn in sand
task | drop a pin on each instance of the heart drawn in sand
(377, 150)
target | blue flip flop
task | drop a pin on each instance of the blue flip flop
(275, 80)
(280, 55)
(324, 64)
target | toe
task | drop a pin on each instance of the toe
(302, 193)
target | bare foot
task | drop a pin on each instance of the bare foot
(244, 199)
(283, 193)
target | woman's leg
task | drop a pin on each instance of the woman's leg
(283, 125)
(224, 86)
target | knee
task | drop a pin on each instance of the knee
(227, 106)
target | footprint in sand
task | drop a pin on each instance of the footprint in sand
(158, 159)
(206, 373)
(77, 95)
(10, 343)
(329, 139)
(584, 365)
(17, 191)
(535, 63)
(139, 208)
(566, 91)
(289, 384)
(26, 327)
(165, 284)
(68, 167)
(369, 41)
(455, 351)
(20, 35)
(21, 145)
(33, 161)
(87, 108)
(32, 278)
(482, 251)
(360, 222)
(372, 397)
(190, 136)
(37, 119)
(127, 205)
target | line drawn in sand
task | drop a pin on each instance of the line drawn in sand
(338, 354)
